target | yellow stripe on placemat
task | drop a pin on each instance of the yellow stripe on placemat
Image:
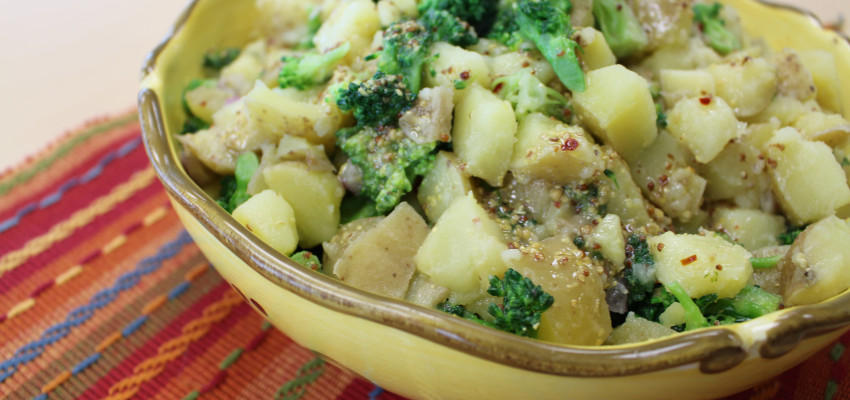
(58, 232)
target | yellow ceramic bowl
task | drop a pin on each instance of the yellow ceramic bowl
(424, 353)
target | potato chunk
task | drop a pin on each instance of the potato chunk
(618, 108)
(752, 228)
(315, 197)
(821, 64)
(550, 150)
(579, 314)
(807, 180)
(595, 52)
(484, 134)
(380, 259)
(463, 249)
(704, 125)
(746, 83)
(354, 22)
(816, 266)
(637, 329)
(452, 64)
(679, 84)
(701, 264)
(607, 236)
(442, 185)
(271, 218)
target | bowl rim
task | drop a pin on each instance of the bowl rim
(715, 349)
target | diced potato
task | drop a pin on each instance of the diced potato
(344, 237)
(430, 118)
(637, 329)
(512, 62)
(625, 198)
(816, 266)
(752, 228)
(737, 174)
(694, 54)
(821, 64)
(380, 259)
(548, 149)
(241, 74)
(205, 100)
(701, 264)
(679, 84)
(673, 315)
(617, 106)
(607, 238)
(704, 125)
(271, 219)
(595, 52)
(746, 83)
(664, 173)
(794, 79)
(579, 314)
(784, 109)
(315, 197)
(831, 129)
(355, 22)
(425, 292)
(581, 13)
(463, 249)
(442, 185)
(484, 134)
(666, 22)
(807, 180)
(276, 114)
(284, 21)
(451, 64)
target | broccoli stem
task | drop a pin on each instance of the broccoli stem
(620, 26)
(693, 316)
(548, 27)
(765, 262)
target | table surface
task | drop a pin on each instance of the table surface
(66, 62)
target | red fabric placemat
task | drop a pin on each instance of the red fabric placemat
(103, 295)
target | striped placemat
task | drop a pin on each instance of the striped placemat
(104, 295)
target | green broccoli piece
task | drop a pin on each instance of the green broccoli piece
(405, 51)
(307, 259)
(377, 102)
(314, 22)
(217, 60)
(523, 303)
(765, 262)
(660, 116)
(620, 26)
(356, 207)
(390, 162)
(445, 27)
(479, 13)
(751, 302)
(548, 27)
(693, 315)
(310, 69)
(585, 199)
(193, 124)
(234, 189)
(713, 28)
(790, 235)
(528, 95)
(646, 298)
(505, 29)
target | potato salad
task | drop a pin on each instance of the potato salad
(584, 172)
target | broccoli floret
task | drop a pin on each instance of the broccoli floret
(234, 189)
(307, 259)
(405, 51)
(790, 235)
(713, 28)
(548, 27)
(356, 207)
(528, 95)
(523, 303)
(377, 102)
(620, 26)
(505, 29)
(193, 124)
(646, 298)
(314, 22)
(216, 60)
(445, 27)
(478, 13)
(390, 162)
(310, 69)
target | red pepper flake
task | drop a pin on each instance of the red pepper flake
(569, 145)
(743, 157)
(525, 64)
(498, 87)
(650, 185)
(597, 246)
(464, 75)
(663, 179)
(706, 100)
(539, 256)
(595, 222)
(585, 272)
(771, 162)
(660, 246)
(619, 7)
(557, 204)
(562, 53)
(718, 267)
(686, 261)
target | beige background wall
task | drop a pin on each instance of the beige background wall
(63, 62)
